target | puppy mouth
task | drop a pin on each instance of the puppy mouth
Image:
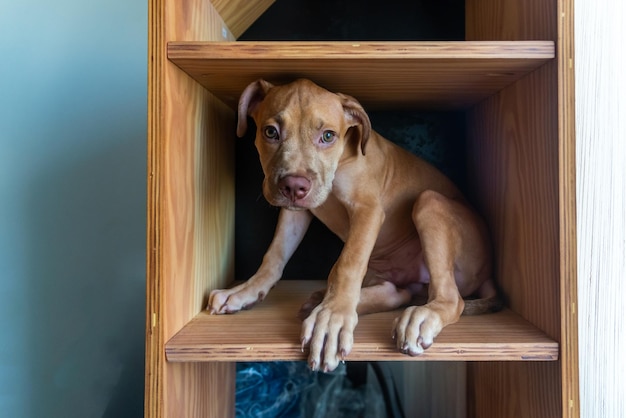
(288, 204)
(279, 200)
(292, 207)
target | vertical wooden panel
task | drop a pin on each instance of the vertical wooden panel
(190, 212)
(513, 161)
(200, 390)
(513, 152)
(154, 336)
(568, 213)
(514, 389)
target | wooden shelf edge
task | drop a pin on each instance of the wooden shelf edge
(270, 331)
(332, 50)
(433, 75)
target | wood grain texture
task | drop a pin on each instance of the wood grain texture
(190, 206)
(511, 20)
(601, 198)
(513, 158)
(380, 74)
(522, 146)
(240, 14)
(513, 389)
(271, 331)
(514, 161)
(205, 390)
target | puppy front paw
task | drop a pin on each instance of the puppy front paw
(329, 333)
(416, 328)
(226, 301)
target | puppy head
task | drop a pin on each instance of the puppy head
(302, 132)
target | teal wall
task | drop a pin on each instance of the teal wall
(73, 85)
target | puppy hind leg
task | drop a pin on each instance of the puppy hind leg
(380, 297)
(307, 307)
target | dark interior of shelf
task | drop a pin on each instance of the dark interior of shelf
(293, 20)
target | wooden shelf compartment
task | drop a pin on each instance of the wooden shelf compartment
(517, 97)
(270, 331)
(433, 75)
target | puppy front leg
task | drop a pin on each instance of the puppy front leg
(329, 329)
(291, 227)
(449, 239)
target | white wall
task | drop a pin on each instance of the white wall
(601, 205)
(72, 207)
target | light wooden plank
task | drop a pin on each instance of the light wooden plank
(379, 74)
(270, 331)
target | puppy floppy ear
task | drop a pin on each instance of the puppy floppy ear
(355, 116)
(248, 102)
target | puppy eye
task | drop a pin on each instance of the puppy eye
(328, 137)
(270, 132)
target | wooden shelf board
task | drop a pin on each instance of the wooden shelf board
(271, 330)
(430, 75)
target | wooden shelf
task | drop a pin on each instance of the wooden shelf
(519, 146)
(431, 75)
(271, 330)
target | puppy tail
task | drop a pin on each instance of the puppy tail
(483, 306)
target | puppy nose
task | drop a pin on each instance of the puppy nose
(294, 187)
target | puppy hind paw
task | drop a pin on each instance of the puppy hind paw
(227, 301)
(218, 301)
(311, 303)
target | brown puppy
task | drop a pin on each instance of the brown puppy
(407, 229)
